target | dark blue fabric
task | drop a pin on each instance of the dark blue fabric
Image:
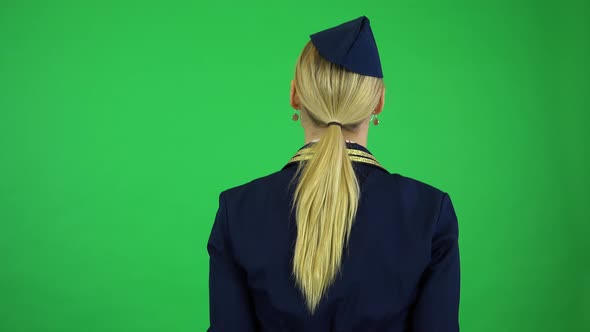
(351, 45)
(400, 271)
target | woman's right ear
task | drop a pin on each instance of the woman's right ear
(379, 107)
(293, 98)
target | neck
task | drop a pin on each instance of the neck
(314, 135)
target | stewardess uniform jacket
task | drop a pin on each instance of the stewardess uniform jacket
(400, 271)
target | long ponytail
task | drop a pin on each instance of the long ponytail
(327, 193)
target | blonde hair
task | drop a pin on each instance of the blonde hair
(327, 193)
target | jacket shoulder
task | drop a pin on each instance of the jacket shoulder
(414, 184)
(412, 192)
(258, 186)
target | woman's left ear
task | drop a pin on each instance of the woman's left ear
(293, 97)
(379, 107)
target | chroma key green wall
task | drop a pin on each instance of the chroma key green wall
(121, 121)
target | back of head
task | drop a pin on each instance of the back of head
(327, 193)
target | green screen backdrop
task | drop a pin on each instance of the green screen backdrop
(121, 121)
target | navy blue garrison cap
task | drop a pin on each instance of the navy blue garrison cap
(351, 45)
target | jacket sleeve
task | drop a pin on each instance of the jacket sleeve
(437, 306)
(230, 305)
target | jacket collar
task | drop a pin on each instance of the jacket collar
(356, 152)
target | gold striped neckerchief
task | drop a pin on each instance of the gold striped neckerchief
(357, 155)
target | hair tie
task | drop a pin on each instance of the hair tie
(335, 123)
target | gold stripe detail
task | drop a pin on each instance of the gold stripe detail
(307, 156)
(354, 152)
(366, 161)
